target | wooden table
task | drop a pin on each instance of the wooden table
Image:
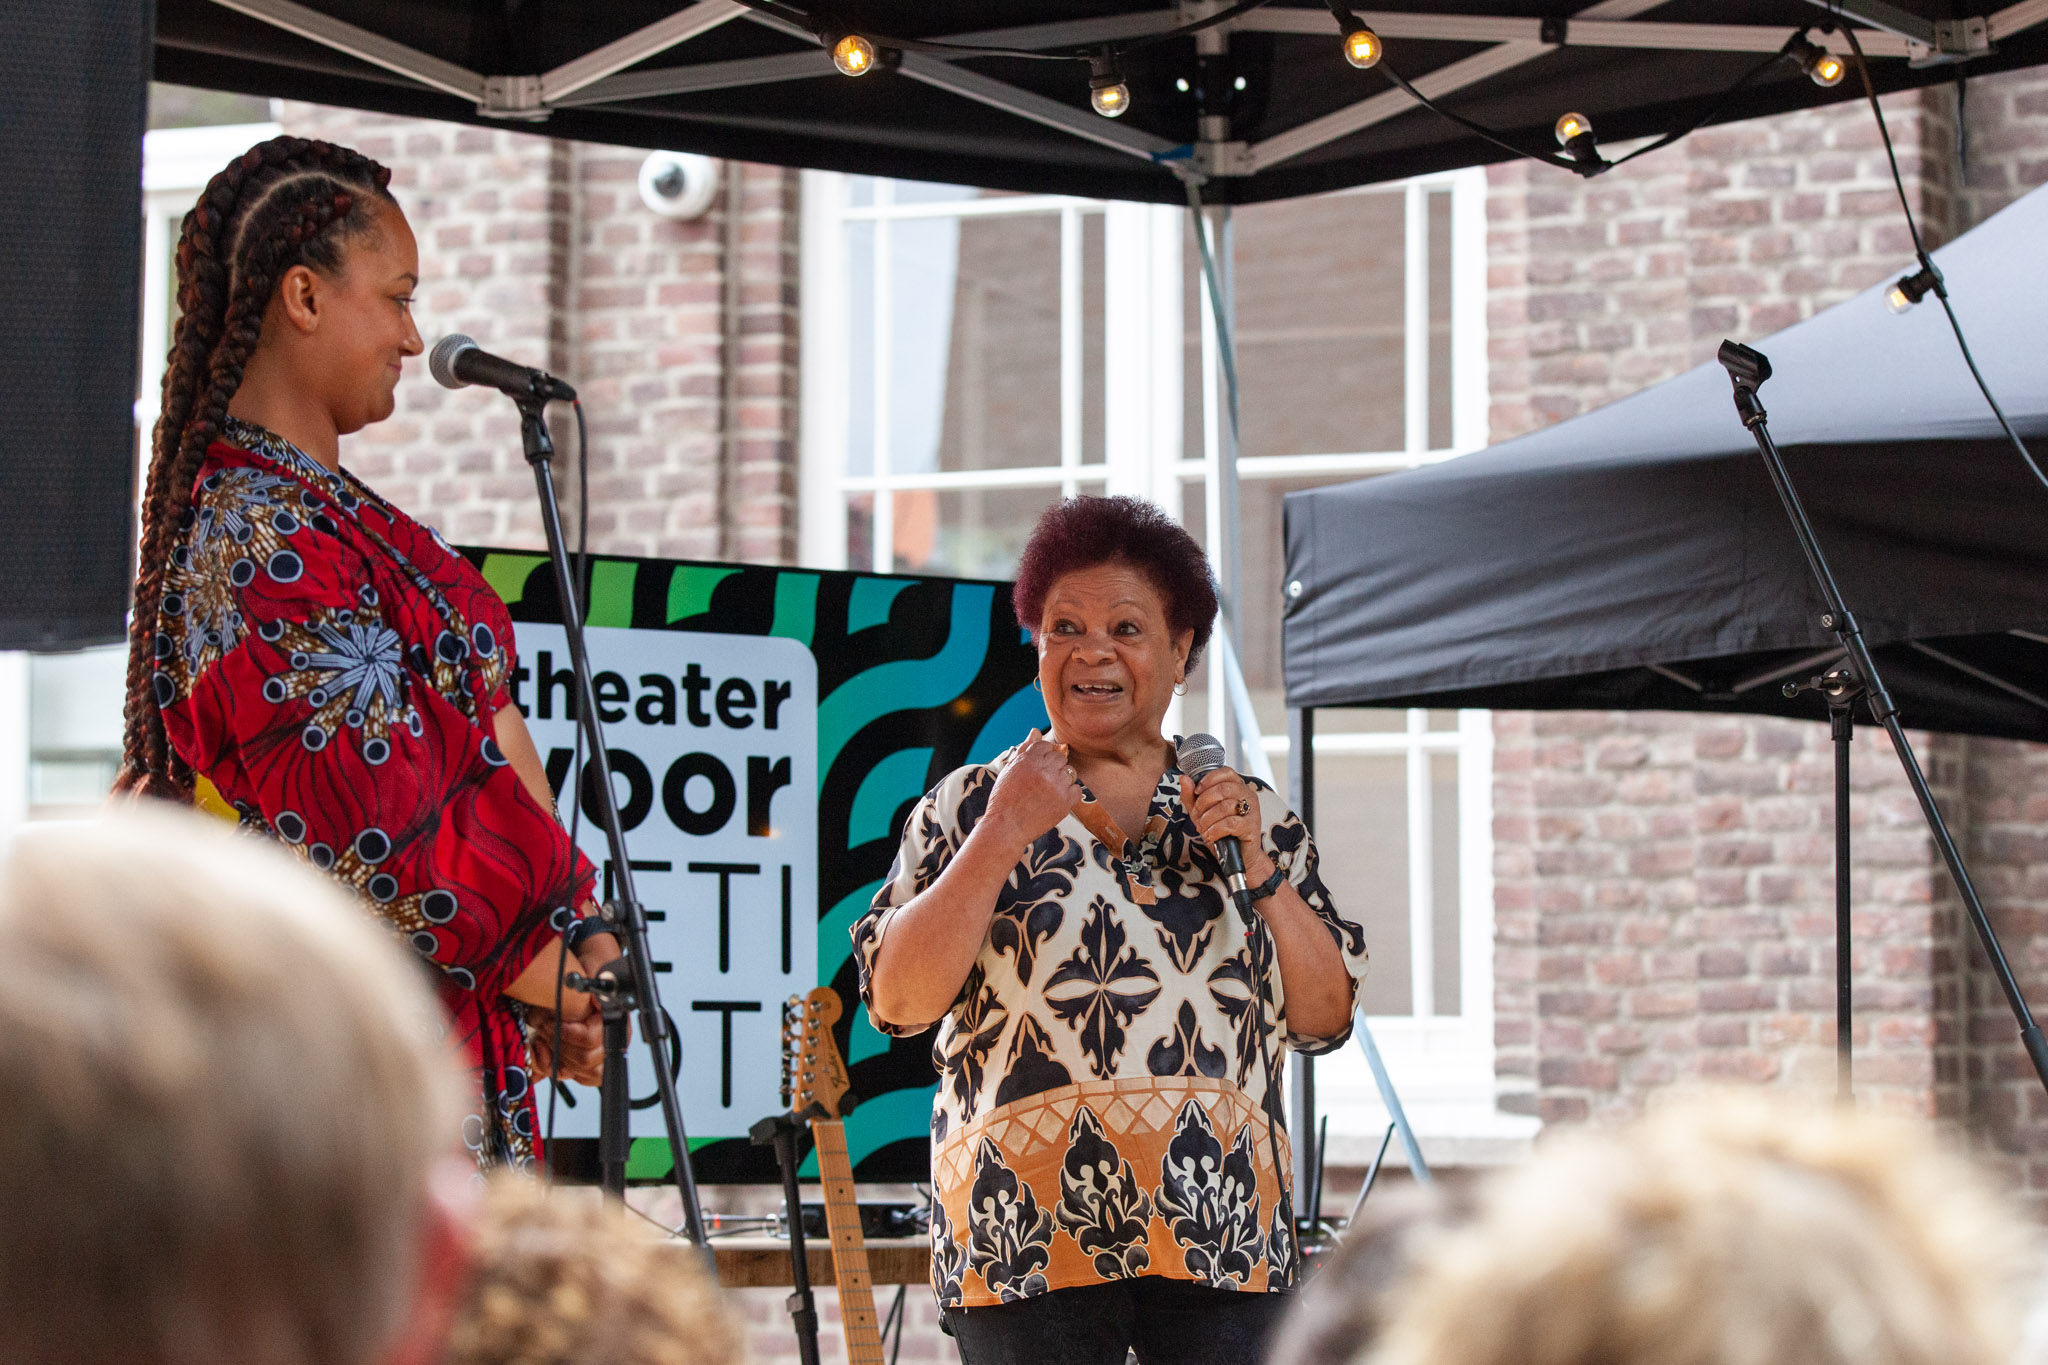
(763, 1262)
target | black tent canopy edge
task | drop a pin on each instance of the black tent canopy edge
(1636, 557)
(898, 124)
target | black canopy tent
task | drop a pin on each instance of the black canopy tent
(1637, 557)
(724, 78)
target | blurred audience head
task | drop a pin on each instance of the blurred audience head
(230, 1110)
(559, 1280)
(1344, 1306)
(1725, 1228)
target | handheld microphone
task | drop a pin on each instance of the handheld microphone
(458, 361)
(1198, 756)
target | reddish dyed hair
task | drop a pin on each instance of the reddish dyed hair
(1080, 533)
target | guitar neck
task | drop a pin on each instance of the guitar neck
(849, 1250)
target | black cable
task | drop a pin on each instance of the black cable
(1713, 110)
(1577, 167)
(1927, 264)
(573, 783)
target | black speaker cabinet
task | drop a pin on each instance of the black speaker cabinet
(73, 96)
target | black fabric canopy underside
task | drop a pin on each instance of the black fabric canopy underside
(887, 123)
(1637, 556)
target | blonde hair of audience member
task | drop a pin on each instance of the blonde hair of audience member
(559, 1280)
(1725, 1228)
(228, 1108)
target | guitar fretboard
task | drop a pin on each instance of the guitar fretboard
(849, 1251)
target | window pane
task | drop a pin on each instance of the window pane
(1444, 849)
(967, 532)
(860, 347)
(1001, 375)
(860, 531)
(1362, 836)
(1094, 322)
(1320, 310)
(1437, 206)
(924, 256)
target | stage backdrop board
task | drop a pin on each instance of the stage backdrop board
(768, 730)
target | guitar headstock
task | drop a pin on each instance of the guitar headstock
(812, 1070)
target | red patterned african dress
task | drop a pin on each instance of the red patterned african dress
(332, 668)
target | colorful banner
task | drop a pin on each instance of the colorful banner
(768, 730)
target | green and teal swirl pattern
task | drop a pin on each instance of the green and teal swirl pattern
(916, 676)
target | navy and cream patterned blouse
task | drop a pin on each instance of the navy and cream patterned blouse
(1102, 1109)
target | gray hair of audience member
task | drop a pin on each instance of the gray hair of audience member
(228, 1099)
(559, 1280)
(1345, 1303)
(1725, 1228)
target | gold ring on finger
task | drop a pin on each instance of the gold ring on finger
(1244, 806)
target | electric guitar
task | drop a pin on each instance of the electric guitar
(814, 1085)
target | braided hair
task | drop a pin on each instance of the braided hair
(285, 202)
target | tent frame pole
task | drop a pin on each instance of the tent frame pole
(1748, 369)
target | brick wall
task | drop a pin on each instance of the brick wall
(542, 251)
(1665, 883)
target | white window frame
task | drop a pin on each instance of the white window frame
(1442, 1064)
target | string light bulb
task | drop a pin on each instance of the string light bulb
(1572, 126)
(1106, 89)
(1910, 289)
(853, 55)
(1821, 66)
(1362, 47)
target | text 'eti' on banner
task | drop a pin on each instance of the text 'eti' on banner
(713, 745)
(769, 730)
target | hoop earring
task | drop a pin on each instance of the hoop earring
(1180, 689)
(1037, 687)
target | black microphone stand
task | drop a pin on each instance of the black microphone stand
(626, 985)
(1748, 370)
(1839, 688)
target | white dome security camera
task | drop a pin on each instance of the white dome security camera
(678, 184)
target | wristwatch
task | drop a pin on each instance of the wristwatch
(1268, 886)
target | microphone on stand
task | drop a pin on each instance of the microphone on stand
(457, 361)
(1198, 756)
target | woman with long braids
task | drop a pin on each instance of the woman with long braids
(308, 654)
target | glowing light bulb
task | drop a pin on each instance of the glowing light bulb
(1106, 89)
(1110, 101)
(1570, 126)
(1896, 299)
(1910, 289)
(1821, 66)
(853, 55)
(1362, 47)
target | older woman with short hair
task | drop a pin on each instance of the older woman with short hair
(1107, 1170)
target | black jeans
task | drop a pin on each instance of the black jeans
(1166, 1322)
